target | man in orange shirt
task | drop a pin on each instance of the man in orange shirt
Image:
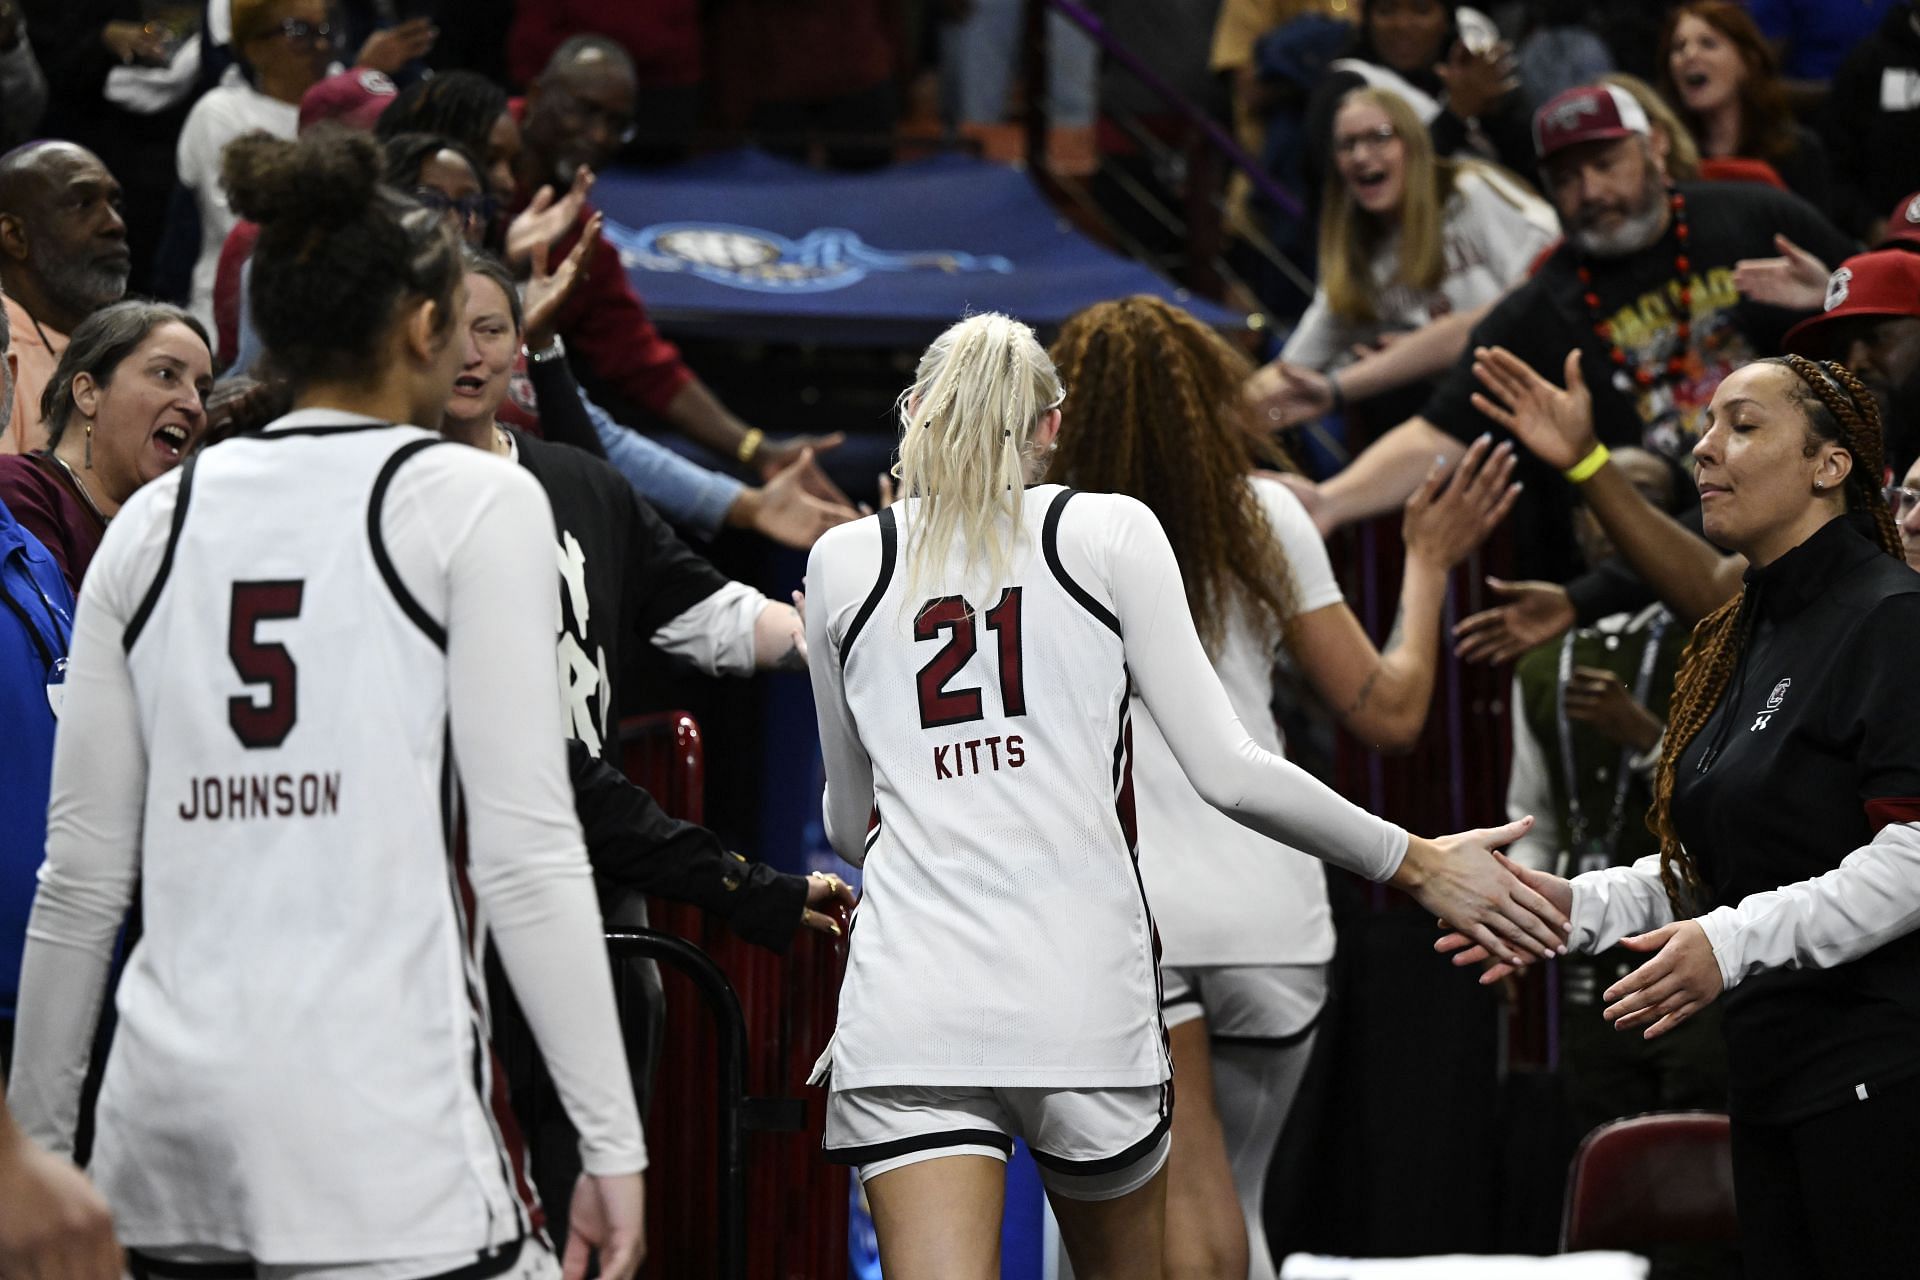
(63, 256)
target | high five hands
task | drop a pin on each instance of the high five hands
(1498, 912)
(1556, 425)
(1681, 979)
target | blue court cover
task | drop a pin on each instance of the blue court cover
(741, 244)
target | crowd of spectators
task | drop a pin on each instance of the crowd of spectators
(1632, 201)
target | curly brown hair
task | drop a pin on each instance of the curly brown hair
(1840, 409)
(1156, 412)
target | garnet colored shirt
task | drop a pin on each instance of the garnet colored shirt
(606, 325)
(46, 504)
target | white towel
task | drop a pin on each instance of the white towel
(1460, 1266)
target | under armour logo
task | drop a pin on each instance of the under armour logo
(1774, 701)
(1837, 287)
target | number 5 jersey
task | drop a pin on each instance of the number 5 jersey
(311, 708)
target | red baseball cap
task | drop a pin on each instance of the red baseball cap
(1883, 283)
(1903, 225)
(1592, 113)
(355, 98)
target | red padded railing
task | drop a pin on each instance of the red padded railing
(796, 1208)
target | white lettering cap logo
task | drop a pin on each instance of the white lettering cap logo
(1567, 115)
(1913, 210)
(1837, 287)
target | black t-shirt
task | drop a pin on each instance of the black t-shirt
(1814, 747)
(1548, 316)
(623, 572)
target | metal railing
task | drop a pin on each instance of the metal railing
(736, 1114)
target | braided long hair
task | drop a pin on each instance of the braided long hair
(1157, 413)
(1839, 410)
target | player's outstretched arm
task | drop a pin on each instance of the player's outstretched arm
(1382, 697)
(1455, 876)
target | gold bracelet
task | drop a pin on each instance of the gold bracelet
(750, 445)
(1582, 471)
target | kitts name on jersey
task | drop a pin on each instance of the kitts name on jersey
(261, 795)
(958, 759)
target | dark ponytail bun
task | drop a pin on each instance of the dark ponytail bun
(322, 182)
(339, 250)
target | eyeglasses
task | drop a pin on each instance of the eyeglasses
(581, 114)
(299, 31)
(1371, 139)
(1901, 500)
(476, 209)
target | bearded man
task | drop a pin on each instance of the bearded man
(63, 256)
(1643, 286)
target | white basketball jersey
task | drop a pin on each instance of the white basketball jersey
(1004, 937)
(276, 1087)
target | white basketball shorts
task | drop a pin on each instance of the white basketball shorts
(1090, 1144)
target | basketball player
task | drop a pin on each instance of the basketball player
(971, 653)
(310, 707)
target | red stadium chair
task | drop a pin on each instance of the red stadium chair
(796, 1203)
(1651, 1180)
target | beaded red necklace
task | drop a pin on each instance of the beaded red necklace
(1682, 331)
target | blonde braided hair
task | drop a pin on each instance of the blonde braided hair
(1840, 409)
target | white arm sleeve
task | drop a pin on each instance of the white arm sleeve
(1530, 791)
(1233, 773)
(1617, 903)
(93, 835)
(1870, 899)
(716, 635)
(527, 858)
(848, 803)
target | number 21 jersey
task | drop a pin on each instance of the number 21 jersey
(1004, 937)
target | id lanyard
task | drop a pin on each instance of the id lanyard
(1592, 851)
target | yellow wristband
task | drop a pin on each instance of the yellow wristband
(750, 445)
(1582, 471)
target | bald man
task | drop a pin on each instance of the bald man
(63, 256)
(580, 112)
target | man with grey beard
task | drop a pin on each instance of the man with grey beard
(63, 256)
(1643, 287)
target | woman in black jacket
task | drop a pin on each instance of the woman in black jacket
(1787, 804)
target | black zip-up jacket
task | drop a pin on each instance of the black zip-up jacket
(1813, 748)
